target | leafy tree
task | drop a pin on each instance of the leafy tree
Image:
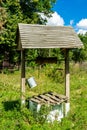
(7, 38)
(2, 23)
(21, 11)
(80, 54)
(2, 17)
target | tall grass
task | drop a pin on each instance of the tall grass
(48, 78)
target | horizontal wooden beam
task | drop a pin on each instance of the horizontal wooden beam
(44, 60)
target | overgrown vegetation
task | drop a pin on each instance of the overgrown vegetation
(49, 78)
(14, 118)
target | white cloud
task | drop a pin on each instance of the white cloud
(81, 31)
(82, 26)
(55, 20)
(71, 22)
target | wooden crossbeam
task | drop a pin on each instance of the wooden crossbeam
(44, 60)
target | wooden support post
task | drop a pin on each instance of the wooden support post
(67, 75)
(22, 77)
(67, 82)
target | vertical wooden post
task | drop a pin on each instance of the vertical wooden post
(67, 82)
(67, 75)
(22, 77)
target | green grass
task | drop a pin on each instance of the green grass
(14, 118)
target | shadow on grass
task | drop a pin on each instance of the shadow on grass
(11, 105)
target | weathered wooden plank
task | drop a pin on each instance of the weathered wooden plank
(53, 98)
(47, 98)
(60, 96)
(40, 99)
(35, 100)
(42, 60)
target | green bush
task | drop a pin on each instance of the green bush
(55, 73)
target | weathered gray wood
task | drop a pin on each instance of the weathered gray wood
(67, 75)
(42, 36)
(59, 96)
(22, 77)
(47, 98)
(53, 97)
(40, 99)
(35, 100)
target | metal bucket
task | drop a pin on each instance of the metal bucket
(31, 82)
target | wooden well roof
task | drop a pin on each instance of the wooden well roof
(43, 36)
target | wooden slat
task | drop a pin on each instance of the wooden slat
(47, 98)
(40, 99)
(53, 97)
(59, 100)
(60, 96)
(35, 100)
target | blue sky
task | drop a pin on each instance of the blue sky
(73, 13)
(71, 10)
(70, 13)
